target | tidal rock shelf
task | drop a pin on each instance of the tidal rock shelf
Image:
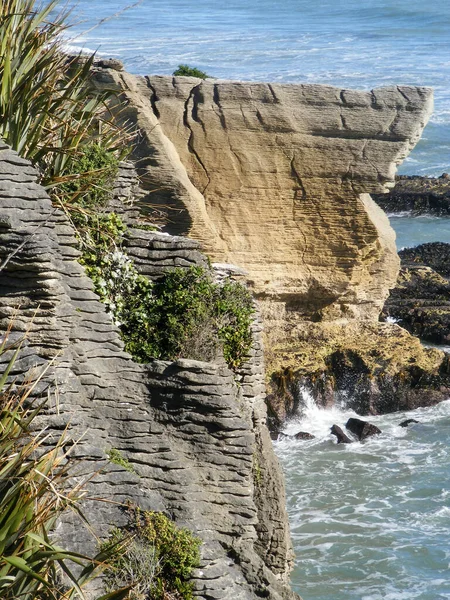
(417, 195)
(420, 302)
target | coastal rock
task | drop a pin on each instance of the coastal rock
(418, 195)
(342, 438)
(371, 368)
(304, 435)
(408, 422)
(362, 429)
(435, 255)
(191, 434)
(421, 300)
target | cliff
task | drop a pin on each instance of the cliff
(277, 179)
(191, 434)
(274, 178)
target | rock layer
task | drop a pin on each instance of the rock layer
(190, 433)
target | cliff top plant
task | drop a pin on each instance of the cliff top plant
(187, 71)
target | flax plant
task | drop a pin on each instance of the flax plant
(49, 110)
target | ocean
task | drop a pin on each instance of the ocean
(369, 521)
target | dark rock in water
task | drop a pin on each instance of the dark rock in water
(421, 299)
(341, 437)
(362, 429)
(434, 254)
(420, 195)
(303, 435)
(408, 422)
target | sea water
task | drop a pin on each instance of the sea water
(369, 521)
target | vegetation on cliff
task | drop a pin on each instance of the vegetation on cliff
(49, 111)
(187, 71)
(185, 314)
(158, 561)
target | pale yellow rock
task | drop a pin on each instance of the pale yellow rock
(275, 179)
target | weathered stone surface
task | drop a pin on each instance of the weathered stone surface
(362, 429)
(190, 433)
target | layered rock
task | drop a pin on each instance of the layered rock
(190, 432)
(274, 178)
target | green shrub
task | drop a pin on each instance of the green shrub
(87, 178)
(185, 314)
(188, 71)
(189, 315)
(158, 561)
(116, 457)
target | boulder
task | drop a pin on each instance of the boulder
(362, 429)
(341, 437)
(303, 435)
(408, 422)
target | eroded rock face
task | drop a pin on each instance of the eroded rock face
(190, 433)
(274, 178)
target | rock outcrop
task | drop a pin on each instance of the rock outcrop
(192, 435)
(276, 179)
(418, 195)
(421, 300)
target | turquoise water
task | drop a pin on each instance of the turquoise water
(369, 521)
(412, 231)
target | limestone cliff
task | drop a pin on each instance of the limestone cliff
(274, 178)
(190, 432)
(277, 179)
